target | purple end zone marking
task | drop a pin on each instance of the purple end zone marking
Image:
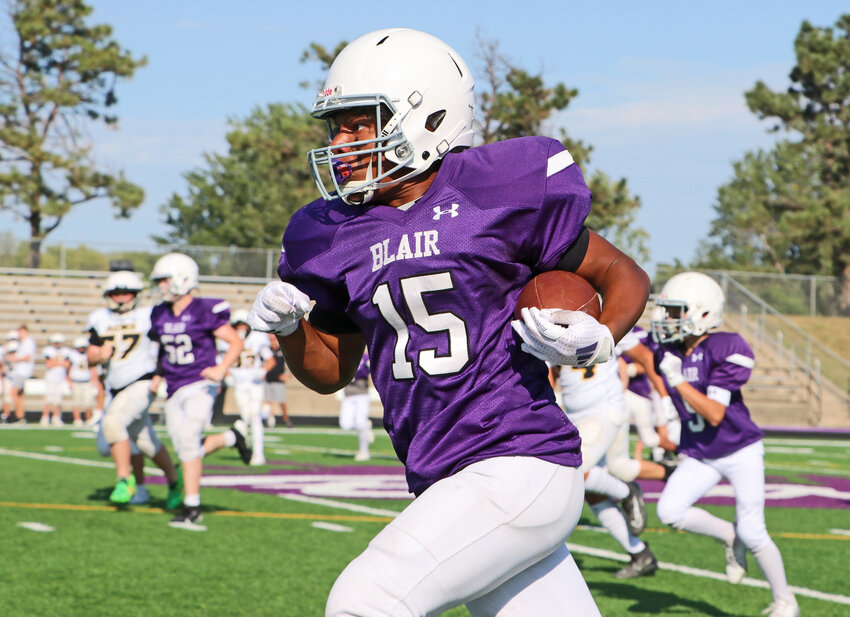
(388, 482)
(821, 492)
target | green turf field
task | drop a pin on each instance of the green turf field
(279, 535)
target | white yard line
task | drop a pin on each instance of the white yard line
(154, 471)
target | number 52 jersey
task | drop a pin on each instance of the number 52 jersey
(433, 287)
(135, 354)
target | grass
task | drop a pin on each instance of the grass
(263, 555)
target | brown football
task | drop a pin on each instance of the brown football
(559, 289)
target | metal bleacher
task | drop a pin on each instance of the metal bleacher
(59, 302)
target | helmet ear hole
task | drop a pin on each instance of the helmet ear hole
(433, 122)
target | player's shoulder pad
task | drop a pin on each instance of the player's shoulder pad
(731, 347)
(516, 168)
(311, 230)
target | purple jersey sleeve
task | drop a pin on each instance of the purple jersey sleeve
(363, 368)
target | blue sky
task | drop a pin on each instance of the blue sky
(660, 89)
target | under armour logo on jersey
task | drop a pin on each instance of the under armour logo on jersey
(451, 211)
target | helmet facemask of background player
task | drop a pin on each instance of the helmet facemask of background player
(416, 90)
(122, 290)
(176, 275)
(689, 304)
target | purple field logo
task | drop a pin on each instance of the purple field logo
(382, 482)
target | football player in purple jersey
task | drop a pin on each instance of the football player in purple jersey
(704, 371)
(418, 249)
(186, 328)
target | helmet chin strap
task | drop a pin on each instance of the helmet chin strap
(360, 198)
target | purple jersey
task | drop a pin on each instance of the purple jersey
(718, 367)
(362, 371)
(187, 342)
(433, 289)
(639, 384)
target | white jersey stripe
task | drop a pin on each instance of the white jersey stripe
(224, 304)
(741, 360)
(560, 161)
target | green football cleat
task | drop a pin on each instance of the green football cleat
(124, 490)
(175, 493)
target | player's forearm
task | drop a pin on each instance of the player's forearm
(322, 362)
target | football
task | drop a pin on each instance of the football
(559, 289)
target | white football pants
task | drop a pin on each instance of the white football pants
(187, 412)
(354, 413)
(693, 478)
(491, 536)
(127, 417)
(249, 400)
(605, 441)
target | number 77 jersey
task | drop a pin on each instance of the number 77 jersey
(135, 354)
(432, 288)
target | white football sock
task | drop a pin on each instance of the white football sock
(229, 439)
(600, 481)
(192, 501)
(257, 433)
(614, 521)
(769, 560)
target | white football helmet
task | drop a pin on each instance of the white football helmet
(81, 342)
(56, 339)
(11, 346)
(239, 316)
(12, 335)
(421, 92)
(122, 281)
(181, 270)
(700, 301)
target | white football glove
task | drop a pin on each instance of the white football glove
(668, 410)
(570, 338)
(278, 308)
(671, 366)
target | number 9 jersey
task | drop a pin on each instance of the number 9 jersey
(135, 355)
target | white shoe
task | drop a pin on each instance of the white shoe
(371, 437)
(270, 422)
(782, 608)
(78, 422)
(736, 561)
(57, 421)
(45, 421)
(362, 455)
(256, 461)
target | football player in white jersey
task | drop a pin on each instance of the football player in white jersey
(248, 375)
(82, 377)
(6, 389)
(57, 359)
(593, 399)
(118, 339)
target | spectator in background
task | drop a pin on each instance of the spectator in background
(354, 409)
(57, 360)
(83, 377)
(7, 350)
(248, 375)
(275, 388)
(23, 365)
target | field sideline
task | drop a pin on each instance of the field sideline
(279, 534)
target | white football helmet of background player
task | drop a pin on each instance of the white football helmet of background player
(421, 93)
(12, 335)
(81, 342)
(239, 316)
(122, 281)
(699, 300)
(56, 339)
(181, 272)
